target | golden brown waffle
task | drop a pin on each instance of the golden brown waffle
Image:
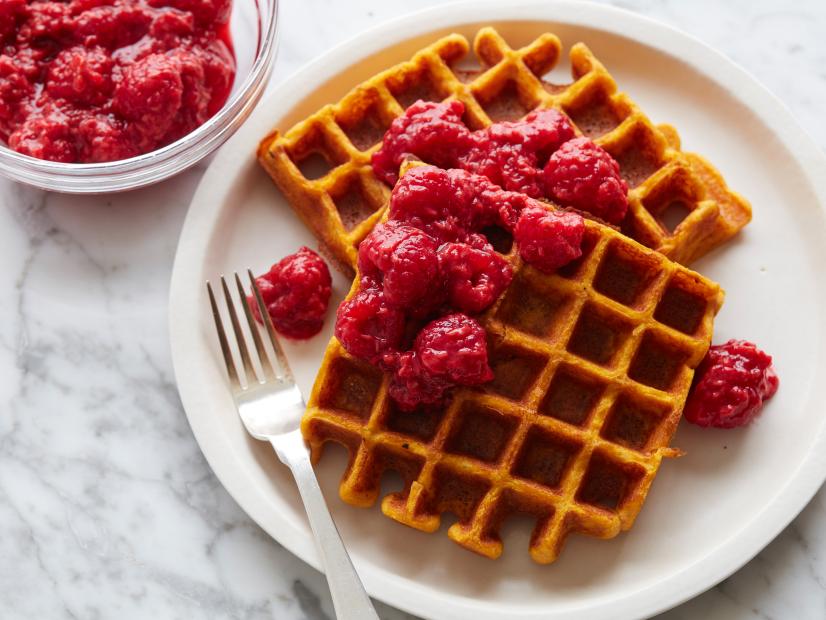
(592, 367)
(322, 164)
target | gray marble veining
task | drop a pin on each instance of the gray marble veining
(108, 509)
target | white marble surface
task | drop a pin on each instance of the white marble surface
(107, 508)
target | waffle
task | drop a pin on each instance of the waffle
(322, 165)
(592, 366)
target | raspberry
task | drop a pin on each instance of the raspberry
(150, 93)
(207, 12)
(454, 348)
(170, 27)
(120, 76)
(111, 26)
(475, 277)
(103, 138)
(403, 258)
(509, 153)
(412, 385)
(194, 95)
(549, 239)
(582, 175)
(10, 12)
(14, 90)
(731, 385)
(296, 291)
(427, 198)
(369, 328)
(46, 20)
(219, 73)
(433, 132)
(81, 75)
(46, 135)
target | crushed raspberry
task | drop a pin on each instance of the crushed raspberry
(404, 260)
(412, 385)
(731, 385)
(296, 291)
(510, 153)
(206, 12)
(475, 276)
(454, 347)
(582, 175)
(45, 21)
(46, 136)
(549, 239)
(112, 26)
(150, 93)
(369, 328)
(81, 75)
(104, 138)
(15, 89)
(120, 77)
(10, 12)
(431, 131)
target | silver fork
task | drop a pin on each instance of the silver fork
(271, 406)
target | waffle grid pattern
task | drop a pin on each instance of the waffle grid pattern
(322, 164)
(592, 367)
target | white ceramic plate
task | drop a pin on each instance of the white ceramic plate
(707, 513)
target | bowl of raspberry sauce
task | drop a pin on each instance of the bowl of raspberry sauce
(102, 96)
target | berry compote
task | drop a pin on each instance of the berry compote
(429, 270)
(538, 155)
(731, 385)
(296, 292)
(87, 81)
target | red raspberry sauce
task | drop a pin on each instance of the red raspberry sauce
(428, 269)
(296, 292)
(100, 80)
(731, 385)
(538, 155)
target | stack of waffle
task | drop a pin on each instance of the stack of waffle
(592, 364)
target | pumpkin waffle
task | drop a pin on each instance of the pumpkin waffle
(322, 165)
(592, 366)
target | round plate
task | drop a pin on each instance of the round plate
(708, 512)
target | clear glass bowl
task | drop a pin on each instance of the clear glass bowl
(254, 33)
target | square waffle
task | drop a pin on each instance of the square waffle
(592, 366)
(322, 165)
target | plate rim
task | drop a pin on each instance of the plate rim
(395, 589)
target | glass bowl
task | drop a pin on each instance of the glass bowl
(254, 33)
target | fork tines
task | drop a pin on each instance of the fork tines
(271, 367)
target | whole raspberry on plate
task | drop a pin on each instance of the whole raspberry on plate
(296, 291)
(584, 176)
(731, 385)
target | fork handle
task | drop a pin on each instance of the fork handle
(350, 600)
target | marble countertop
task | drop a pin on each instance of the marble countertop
(108, 509)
